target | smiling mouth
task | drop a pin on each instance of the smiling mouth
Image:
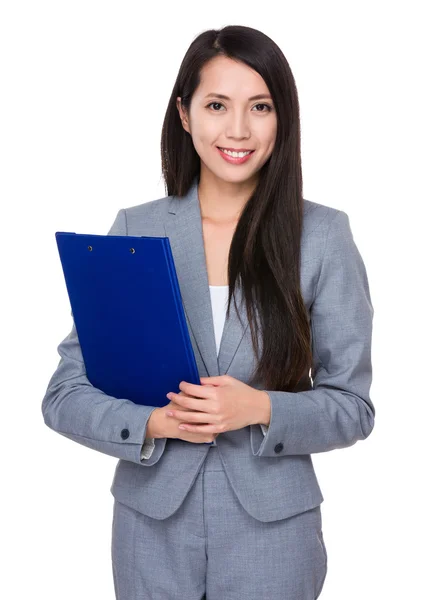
(236, 151)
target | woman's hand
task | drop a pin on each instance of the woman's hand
(223, 404)
(172, 431)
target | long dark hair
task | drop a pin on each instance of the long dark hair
(265, 250)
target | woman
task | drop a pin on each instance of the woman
(286, 366)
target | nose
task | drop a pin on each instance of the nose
(238, 126)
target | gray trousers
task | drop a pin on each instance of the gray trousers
(212, 549)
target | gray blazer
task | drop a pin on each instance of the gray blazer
(273, 475)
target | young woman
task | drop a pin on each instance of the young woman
(285, 366)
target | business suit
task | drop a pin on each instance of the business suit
(272, 477)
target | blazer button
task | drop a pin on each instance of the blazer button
(124, 434)
(278, 448)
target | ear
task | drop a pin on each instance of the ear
(183, 115)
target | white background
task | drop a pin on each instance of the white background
(84, 89)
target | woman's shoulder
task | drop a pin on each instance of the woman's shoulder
(316, 209)
(318, 217)
(151, 206)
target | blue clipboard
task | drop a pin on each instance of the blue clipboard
(129, 315)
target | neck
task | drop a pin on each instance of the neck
(222, 201)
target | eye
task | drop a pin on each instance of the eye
(269, 108)
(217, 103)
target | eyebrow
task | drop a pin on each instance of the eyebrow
(257, 97)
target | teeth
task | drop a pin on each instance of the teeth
(236, 154)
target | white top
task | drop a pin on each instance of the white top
(219, 298)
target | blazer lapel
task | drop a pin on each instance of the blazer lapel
(183, 227)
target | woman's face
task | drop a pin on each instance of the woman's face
(234, 123)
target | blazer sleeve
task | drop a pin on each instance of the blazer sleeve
(338, 411)
(83, 413)
(149, 444)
